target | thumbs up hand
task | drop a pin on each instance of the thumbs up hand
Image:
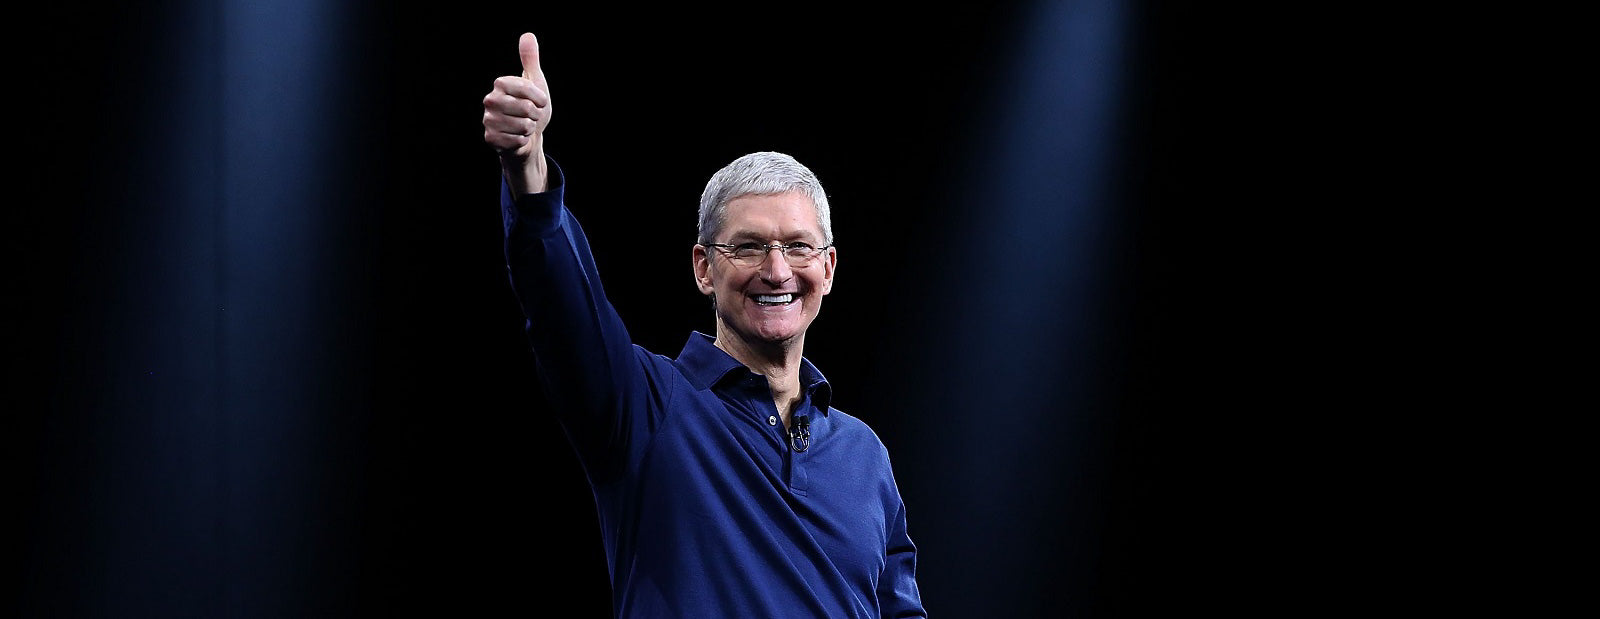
(515, 115)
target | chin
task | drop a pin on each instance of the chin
(776, 334)
(782, 335)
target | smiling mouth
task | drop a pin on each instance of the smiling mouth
(773, 299)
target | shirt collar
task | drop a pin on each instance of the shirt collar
(706, 365)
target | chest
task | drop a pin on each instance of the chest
(723, 473)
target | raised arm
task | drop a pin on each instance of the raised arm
(515, 115)
(601, 387)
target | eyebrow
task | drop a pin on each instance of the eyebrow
(746, 235)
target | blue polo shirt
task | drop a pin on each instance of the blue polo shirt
(705, 508)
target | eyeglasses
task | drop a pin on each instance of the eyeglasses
(753, 254)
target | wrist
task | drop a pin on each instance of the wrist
(526, 174)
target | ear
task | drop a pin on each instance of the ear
(829, 262)
(702, 270)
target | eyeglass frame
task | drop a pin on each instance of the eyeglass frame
(728, 250)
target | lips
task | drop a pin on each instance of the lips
(773, 299)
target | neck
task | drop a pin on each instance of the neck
(778, 362)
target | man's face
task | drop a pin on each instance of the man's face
(773, 302)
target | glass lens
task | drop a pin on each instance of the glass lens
(799, 254)
(753, 254)
(750, 252)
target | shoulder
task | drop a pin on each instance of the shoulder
(850, 423)
(658, 364)
(663, 374)
(851, 429)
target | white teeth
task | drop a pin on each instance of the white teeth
(774, 298)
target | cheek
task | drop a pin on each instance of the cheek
(715, 282)
(820, 285)
(726, 296)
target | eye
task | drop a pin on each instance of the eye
(798, 247)
(749, 250)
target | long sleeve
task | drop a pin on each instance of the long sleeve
(704, 509)
(898, 596)
(596, 379)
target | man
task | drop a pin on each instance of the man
(726, 484)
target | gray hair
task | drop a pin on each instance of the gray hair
(762, 173)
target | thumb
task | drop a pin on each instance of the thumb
(528, 48)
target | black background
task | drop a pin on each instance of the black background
(438, 487)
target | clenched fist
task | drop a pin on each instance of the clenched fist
(515, 114)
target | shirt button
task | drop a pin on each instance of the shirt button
(772, 420)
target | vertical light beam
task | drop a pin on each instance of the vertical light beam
(1019, 417)
(280, 293)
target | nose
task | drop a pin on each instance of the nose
(775, 269)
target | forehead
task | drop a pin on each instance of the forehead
(783, 215)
